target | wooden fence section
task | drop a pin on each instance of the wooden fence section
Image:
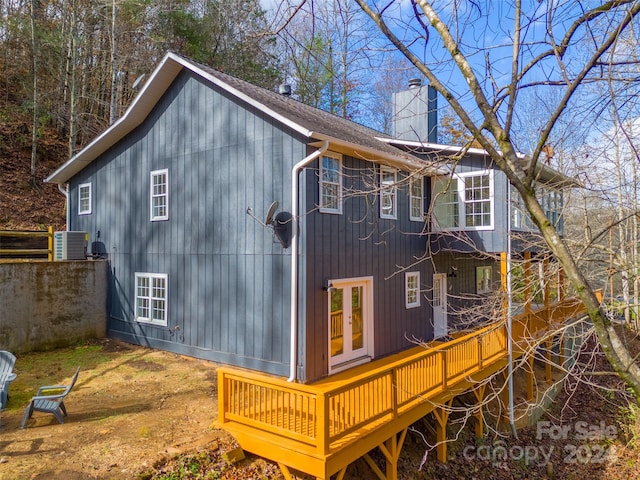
(307, 424)
(7, 248)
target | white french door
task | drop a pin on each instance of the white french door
(350, 322)
(439, 305)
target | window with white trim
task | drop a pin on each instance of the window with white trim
(464, 201)
(160, 195)
(416, 199)
(331, 183)
(388, 192)
(552, 202)
(412, 289)
(84, 199)
(151, 298)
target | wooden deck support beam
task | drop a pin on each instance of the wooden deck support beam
(441, 415)
(479, 394)
(391, 449)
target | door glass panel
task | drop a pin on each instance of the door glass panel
(436, 292)
(357, 337)
(337, 322)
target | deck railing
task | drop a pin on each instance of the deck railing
(26, 235)
(319, 415)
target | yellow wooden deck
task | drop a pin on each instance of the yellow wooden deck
(321, 428)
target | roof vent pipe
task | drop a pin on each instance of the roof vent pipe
(415, 83)
(284, 89)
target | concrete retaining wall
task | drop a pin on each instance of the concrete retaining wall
(46, 305)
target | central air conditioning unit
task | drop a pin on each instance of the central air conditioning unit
(70, 245)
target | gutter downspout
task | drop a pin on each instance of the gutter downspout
(295, 171)
(512, 421)
(66, 203)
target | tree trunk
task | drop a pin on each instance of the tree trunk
(34, 124)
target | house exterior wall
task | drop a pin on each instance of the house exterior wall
(228, 280)
(467, 307)
(358, 243)
(469, 241)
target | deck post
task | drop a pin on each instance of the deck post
(322, 423)
(391, 449)
(50, 244)
(503, 284)
(441, 415)
(479, 394)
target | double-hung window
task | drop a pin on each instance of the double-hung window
(477, 201)
(412, 289)
(464, 201)
(151, 298)
(84, 199)
(331, 184)
(447, 205)
(388, 192)
(416, 196)
(160, 195)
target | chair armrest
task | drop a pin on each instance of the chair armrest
(50, 387)
(48, 397)
(7, 377)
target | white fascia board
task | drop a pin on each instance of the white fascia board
(434, 146)
(160, 80)
(377, 156)
(545, 173)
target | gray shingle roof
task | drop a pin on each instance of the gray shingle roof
(315, 123)
(311, 118)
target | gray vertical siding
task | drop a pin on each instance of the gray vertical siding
(463, 302)
(358, 243)
(493, 241)
(228, 280)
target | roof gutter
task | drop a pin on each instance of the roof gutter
(295, 172)
(405, 162)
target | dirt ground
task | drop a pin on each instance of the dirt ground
(130, 408)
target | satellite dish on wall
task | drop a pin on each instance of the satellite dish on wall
(268, 220)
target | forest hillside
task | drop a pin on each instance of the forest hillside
(24, 205)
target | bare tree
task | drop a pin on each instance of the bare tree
(575, 48)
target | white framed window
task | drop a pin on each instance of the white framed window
(552, 202)
(464, 201)
(416, 199)
(388, 192)
(84, 199)
(412, 289)
(331, 183)
(151, 298)
(160, 195)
